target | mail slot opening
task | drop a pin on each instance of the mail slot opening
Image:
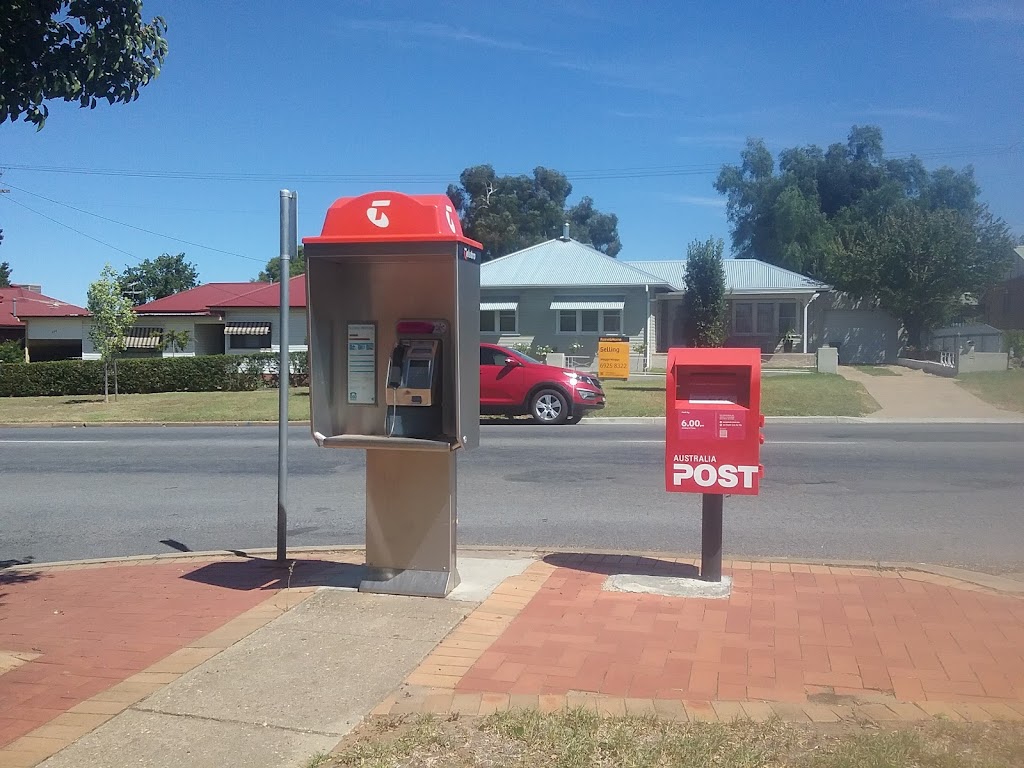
(724, 384)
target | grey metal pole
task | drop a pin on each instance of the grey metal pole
(711, 537)
(289, 248)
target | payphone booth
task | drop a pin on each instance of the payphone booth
(712, 434)
(393, 297)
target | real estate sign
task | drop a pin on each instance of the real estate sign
(613, 357)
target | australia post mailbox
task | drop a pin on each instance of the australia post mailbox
(713, 434)
(393, 297)
(713, 420)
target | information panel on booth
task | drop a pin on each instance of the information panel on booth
(362, 363)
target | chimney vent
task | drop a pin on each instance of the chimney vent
(565, 231)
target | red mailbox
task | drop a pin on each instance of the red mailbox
(713, 419)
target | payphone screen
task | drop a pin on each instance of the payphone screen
(418, 375)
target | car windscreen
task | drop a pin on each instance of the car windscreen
(521, 355)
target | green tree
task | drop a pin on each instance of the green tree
(112, 316)
(5, 273)
(272, 272)
(75, 50)
(176, 340)
(919, 263)
(704, 286)
(589, 225)
(154, 279)
(509, 213)
(794, 214)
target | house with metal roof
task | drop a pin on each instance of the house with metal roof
(251, 322)
(49, 328)
(562, 295)
(193, 311)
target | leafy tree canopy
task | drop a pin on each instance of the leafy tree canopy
(791, 215)
(5, 273)
(704, 285)
(919, 263)
(878, 228)
(75, 50)
(272, 272)
(509, 213)
(163, 276)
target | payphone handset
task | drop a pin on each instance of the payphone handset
(412, 372)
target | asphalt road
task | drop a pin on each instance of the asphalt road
(949, 494)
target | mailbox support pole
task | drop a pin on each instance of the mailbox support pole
(289, 244)
(711, 537)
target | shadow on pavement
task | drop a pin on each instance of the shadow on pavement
(9, 576)
(614, 564)
(261, 573)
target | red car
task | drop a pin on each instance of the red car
(512, 384)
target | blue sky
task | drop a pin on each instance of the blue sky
(640, 103)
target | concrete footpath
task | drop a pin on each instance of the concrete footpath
(913, 394)
(218, 659)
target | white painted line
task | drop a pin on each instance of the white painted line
(773, 442)
(815, 442)
(51, 442)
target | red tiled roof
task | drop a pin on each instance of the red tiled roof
(269, 296)
(199, 300)
(32, 304)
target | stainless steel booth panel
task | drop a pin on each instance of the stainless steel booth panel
(384, 288)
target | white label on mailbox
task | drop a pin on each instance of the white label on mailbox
(362, 364)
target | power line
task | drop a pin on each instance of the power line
(589, 174)
(132, 226)
(68, 226)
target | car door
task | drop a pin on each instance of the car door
(499, 382)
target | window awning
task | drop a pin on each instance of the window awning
(492, 306)
(587, 303)
(143, 338)
(247, 329)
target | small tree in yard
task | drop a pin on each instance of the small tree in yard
(705, 294)
(112, 316)
(176, 340)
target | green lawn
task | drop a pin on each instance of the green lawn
(808, 394)
(804, 394)
(166, 407)
(1004, 389)
(580, 739)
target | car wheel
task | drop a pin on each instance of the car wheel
(549, 406)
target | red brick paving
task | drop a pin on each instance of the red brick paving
(783, 634)
(95, 627)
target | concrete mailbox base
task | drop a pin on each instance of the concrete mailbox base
(410, 523)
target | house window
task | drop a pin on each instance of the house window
(590, 321)
(246, 335)
(250, 341)
(500, 321)
(744, 322)
(568, 321)
(787, 317)
(765, 319)
(611, 321)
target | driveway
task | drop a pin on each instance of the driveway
(915, 394)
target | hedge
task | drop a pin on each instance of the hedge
(211, 373)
